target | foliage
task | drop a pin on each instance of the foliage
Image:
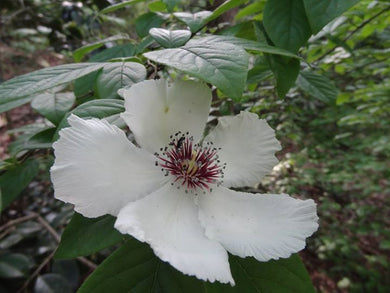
(329, 67)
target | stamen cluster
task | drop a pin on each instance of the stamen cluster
(192, 165)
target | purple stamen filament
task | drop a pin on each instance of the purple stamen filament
(193, 166)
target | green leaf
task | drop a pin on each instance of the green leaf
(170, 39)
(14, 265)
(222, 64)
(119, 51)
(320, 13)
(250, 9)
(13, 92)
(86, 85)
(68, 269)
(117, 75)
(195, 21)
(99, 108)
(318, 86)
(114, 7)
(147, 21)
(134, 268)
(274, 276)
(81, 52)
(53, 106)
(253, 45)
(52, 283)
(144, 44)
(13, 181)
(33, 140)
(171, 4)
(285, 70)
(157, 6)
(260, 71)
(102, 108)
(84, 236)
(286, 23)
(224, 7)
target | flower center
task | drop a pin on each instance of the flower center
(193, 166)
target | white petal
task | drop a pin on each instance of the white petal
(99, 170)
(264, 226)
(168, 220)
(155, 110)
(247, 145)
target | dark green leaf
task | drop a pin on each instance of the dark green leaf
(286, 23)
(10, 240)
(259, 72)
(84, 236)
(117, 6)
(195, 21)
(171, 4)
(224, 7)
(86, 85)
(14, 265)
(119, 51)
(134, 268)
(170, 39)
(52, 283)
(285, 70)
(320, 13)
(102, 108)
(318, 86)
(250, 9)
(13, 181)
(69, 270)
(147, 21)
(281, 276)
(99, 108)
(244, 30)
(117, 75)
(144, 44)
(53, 106)
(253, 45)
(14, 91)
(81, 52)
(222, 64)
(39, 140)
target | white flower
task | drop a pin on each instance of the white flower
(173, 191)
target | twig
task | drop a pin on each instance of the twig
(36, 272)
(47, 226)
(18, 221)
(6, 232)
(87, 262)
(353, 32)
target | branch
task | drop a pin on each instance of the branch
(49, 228)
(353, 32)
(18, 221)
(55, 235)
(36, 272)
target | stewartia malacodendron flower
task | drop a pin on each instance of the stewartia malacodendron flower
(173, 190)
